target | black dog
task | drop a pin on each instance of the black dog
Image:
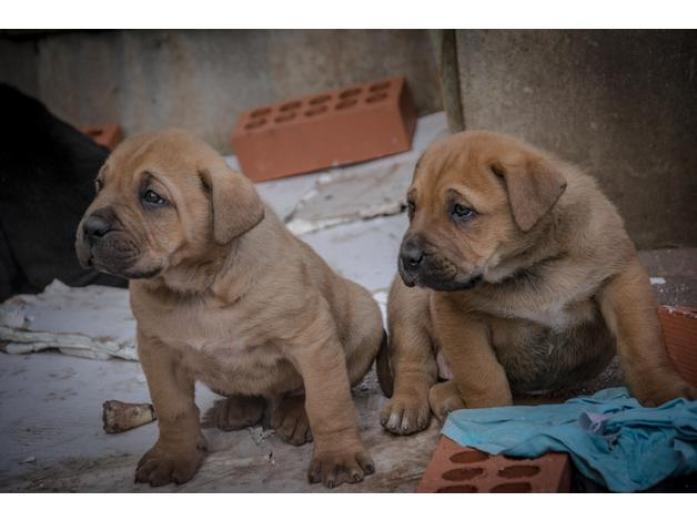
(47, 172)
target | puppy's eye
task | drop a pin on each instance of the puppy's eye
(461, 212)
(153, 198)
(411, 209)
(98, 185)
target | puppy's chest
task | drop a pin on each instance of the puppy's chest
(555, 315)
(559, 316)
(224, 336)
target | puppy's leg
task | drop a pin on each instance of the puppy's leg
(364, 332)
(179, 451)
(478, 377)
(412, 359)
(415, 372)
(339, 455)
(235, 412)
(628, 306)
(290, 421)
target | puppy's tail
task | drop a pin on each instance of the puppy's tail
(383, 367)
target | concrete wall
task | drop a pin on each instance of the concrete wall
(623, 104)
(202, 80)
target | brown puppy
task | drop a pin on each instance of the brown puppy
(526, 280)
(224, 294)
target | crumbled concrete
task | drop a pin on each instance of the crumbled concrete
(342, 199)
(92, 322)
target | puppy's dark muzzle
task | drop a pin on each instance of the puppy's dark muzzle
(411, 258)
(417, 267)
(103, 245)
(95, 227)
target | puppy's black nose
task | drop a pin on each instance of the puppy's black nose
(96, 227)
(411, 255)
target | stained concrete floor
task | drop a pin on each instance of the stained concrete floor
(50, 404)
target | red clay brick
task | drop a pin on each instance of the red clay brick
(462, 469)
(108, 135)
(679, 325)
(327, 129)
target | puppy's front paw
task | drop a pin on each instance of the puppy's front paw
(445, 398)
(655, 388)
(406, 413)
(160, 466)
(344, 465)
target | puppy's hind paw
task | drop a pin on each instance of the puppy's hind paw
(653, 392)
(289, 420)
(235, 412)
(444, 399)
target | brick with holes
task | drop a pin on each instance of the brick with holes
(327, 129)
(108, 135)
(679, 324)
(461, 469)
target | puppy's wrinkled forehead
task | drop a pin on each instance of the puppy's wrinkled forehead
(464, 162)
(173, 152)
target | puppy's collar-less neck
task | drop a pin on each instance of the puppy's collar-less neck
(191, 277)
(529, 275)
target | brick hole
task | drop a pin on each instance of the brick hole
(346, 104)
(255, 124)
(260, 112)
(514, 458)
(458, 488)
(320, 99)
(379, 86)
(376, 97)
(469, 456)
(462, 474)
(285, 117)
(519, 471)
(316, 110)
(350, 93)
(289, 106)
(513, 487)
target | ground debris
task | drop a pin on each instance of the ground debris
(259, 434)
(120, 416)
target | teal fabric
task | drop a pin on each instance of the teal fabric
(609, 436)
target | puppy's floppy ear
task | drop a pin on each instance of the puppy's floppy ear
(534, 185)
(235, 204)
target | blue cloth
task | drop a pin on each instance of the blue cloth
(609, 436)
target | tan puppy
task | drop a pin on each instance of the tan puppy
(526, 280)
(224, 294)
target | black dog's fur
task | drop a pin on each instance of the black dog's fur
(47, 172)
